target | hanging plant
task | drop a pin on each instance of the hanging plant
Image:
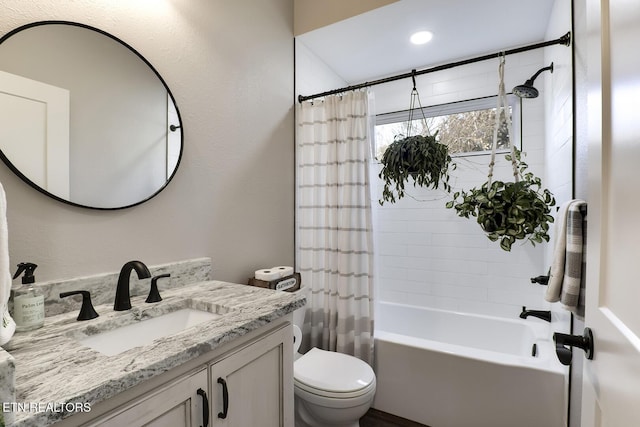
(509, 211)
(419, 157)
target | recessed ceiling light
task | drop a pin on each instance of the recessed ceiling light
(421, 37)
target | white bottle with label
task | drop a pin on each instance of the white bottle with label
(28, 301)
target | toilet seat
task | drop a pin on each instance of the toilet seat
(333, 375)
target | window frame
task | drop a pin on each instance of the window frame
(483, 103)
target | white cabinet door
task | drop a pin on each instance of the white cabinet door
(254, 386)
(177, 404)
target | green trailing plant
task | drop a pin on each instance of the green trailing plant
(419, 157)
(509, 211)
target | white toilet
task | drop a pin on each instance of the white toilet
(331, 389)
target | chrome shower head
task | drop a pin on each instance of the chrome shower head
(527, 90)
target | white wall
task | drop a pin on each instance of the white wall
(230, 68)
(559, 115)
(559, 107)
(312, 74)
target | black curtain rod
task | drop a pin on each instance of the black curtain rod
(565, 40)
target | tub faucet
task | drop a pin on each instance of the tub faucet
(540, 314)
(123, 300)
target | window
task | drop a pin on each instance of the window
(466, 127)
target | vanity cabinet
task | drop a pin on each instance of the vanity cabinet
(176, 404)
(250, 384)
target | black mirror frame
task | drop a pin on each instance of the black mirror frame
(15, 170)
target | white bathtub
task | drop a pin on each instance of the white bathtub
(447, 369)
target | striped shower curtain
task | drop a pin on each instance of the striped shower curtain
(334, 236)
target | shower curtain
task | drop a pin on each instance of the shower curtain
(334, 227)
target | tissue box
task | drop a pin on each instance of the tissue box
(288, 283)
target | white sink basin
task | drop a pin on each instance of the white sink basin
(144, 332)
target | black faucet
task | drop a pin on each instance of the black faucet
(540, 314)
(123, 300)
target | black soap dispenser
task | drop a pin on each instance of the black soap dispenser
(28, 301)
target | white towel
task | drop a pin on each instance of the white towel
(7, 325)
(565, 274)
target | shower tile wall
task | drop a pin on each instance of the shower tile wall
(559, 109)
(425, 254)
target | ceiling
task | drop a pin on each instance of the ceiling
(376, 44)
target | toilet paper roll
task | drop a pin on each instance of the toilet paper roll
(297, 338)
(284, 270)
(267, 274)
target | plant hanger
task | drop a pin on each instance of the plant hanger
(415, 98)
(507, 211)
(502, 110)
(419, 157)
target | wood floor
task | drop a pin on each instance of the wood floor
(375, 418)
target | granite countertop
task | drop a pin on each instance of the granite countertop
(52, 367)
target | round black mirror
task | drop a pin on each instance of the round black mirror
(85, 118)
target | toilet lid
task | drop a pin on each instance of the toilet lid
(331, 371)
